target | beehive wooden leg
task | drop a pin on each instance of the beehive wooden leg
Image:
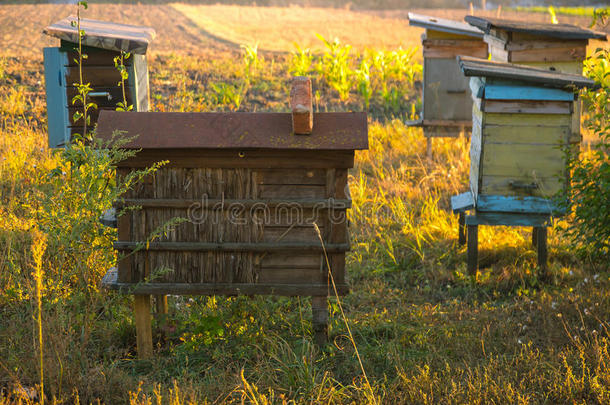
(473, 249)
(319, 310)
(143, 325)
(541, 236)
(462, 228)
(161, 304)
(535, 236)
(429, 147)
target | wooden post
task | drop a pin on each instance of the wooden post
(161, 304)
(534, 237)
(319, 311)
(429, 147)
(462, 228)
(473, 249)
(541, 234)
(143, 325)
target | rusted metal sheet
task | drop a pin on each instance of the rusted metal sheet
(104, 34)
(241, 130)
(560, 31)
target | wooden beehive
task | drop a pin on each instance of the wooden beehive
(559, 47)
(522, 119)
(250, 191)
(102, 42)
(447, 106)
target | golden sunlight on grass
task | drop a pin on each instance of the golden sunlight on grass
(277, 28)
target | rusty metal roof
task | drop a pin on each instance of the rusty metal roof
(502, 70)
(104, 34)
(243, 130)
(444, 25)
(561, 31)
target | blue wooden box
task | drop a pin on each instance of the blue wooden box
(102, 42)
(522, 120)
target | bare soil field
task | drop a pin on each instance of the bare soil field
(184, 28)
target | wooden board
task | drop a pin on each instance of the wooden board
(507, 219)
(521, 160)
(444, 26)
(563, 54)
(259, 159)
(526, 134)
(475, 152)
(501, 185)
(55, 91)
(518, 204)
(527, 106)
(506, 90)
(540, 120)
(445, 94)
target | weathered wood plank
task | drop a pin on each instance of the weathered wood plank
(519, 204)
(55, 91)
(472, 249)
(230, 289)
(462, 202)
(527, 107)
(507, 219)
(568, 53)
(501, 185)
(271, 191)
(301, 105)
(522, 160)
(311, 177)
(257, 159)
(291, 275)
(528, 120)
(533, 134)
(233, 247)
(496, 90)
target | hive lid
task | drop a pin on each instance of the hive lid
(502, 70)
(561, 31)
(236, 130)
(444, 25)
(104, 34)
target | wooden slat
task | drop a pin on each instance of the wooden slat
(115, 92)
(462, 202)
(291, 191)
(568, 53)
(522, 160)
(309, 177)
(55, 91)
(258, 159)
(500, 185)
(518, 120)
(296, 260)
(294, 275)
(97, 76)
(515, 204)
(290, 234)
(232, 247)
(475, 152)
(443, 52)
(527, 106)
(228, 203)
(526, 134)
(505, 90)
(507, 219)
(444, 26)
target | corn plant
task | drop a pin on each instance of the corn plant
(300, 63)
(228, 94)
(335, 67)
(364, 82)
(250, 57)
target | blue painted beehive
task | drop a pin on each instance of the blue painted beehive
(522, 119)
(101, 43)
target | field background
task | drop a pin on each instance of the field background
(427, 332)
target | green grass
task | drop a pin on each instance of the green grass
(426, 332)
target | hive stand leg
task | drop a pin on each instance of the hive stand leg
(534, 236)
(462, 228)
(541, 236)
(161, 304)
(319, 311)
(143, 325)
(473, 249)
(429, 147)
